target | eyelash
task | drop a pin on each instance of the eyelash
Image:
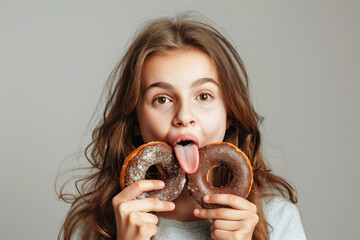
(205, 93)
(157, 99)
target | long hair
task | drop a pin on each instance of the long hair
(115, 136)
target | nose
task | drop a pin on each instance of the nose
(184, 116)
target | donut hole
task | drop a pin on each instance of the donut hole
(218, 176)
(155, 172)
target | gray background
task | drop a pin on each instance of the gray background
(303, 62)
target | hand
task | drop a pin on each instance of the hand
(133, 218)
(237, 222)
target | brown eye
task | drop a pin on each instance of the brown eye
(204, 97)
(161, 100)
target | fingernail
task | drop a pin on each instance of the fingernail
(206, 198)
(161, 184)
(172, 205)
(196, 211)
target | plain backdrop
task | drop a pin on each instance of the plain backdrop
(304, 68)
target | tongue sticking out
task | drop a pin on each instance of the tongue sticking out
(187, 156)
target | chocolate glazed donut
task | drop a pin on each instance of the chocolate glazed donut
(141, 159)
(216, 155)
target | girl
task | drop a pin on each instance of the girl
(179, 80)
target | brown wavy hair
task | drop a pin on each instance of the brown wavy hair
(115, 136)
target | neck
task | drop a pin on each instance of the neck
(184, 206)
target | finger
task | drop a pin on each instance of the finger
(137, 188)
(145, 205)
(226, 225)
(223, 213)
(220, 234)
(147, 230)
(141, 231)
(138, 218)
(138, 226)
(231, 200)
(134, 190)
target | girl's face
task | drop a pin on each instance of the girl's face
(181, 99)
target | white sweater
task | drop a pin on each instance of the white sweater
(282, 215)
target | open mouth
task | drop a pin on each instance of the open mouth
(185, 142)
(187, 153)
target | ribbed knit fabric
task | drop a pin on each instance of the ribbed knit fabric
(172, 229)
(282, 215)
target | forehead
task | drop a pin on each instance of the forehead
(186, 65)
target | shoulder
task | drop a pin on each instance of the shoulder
(284, 219)
(276, 207)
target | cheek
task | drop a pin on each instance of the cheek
(214, 124)
(153, 125)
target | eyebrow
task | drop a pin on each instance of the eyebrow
(202, 81)
(168, 86)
